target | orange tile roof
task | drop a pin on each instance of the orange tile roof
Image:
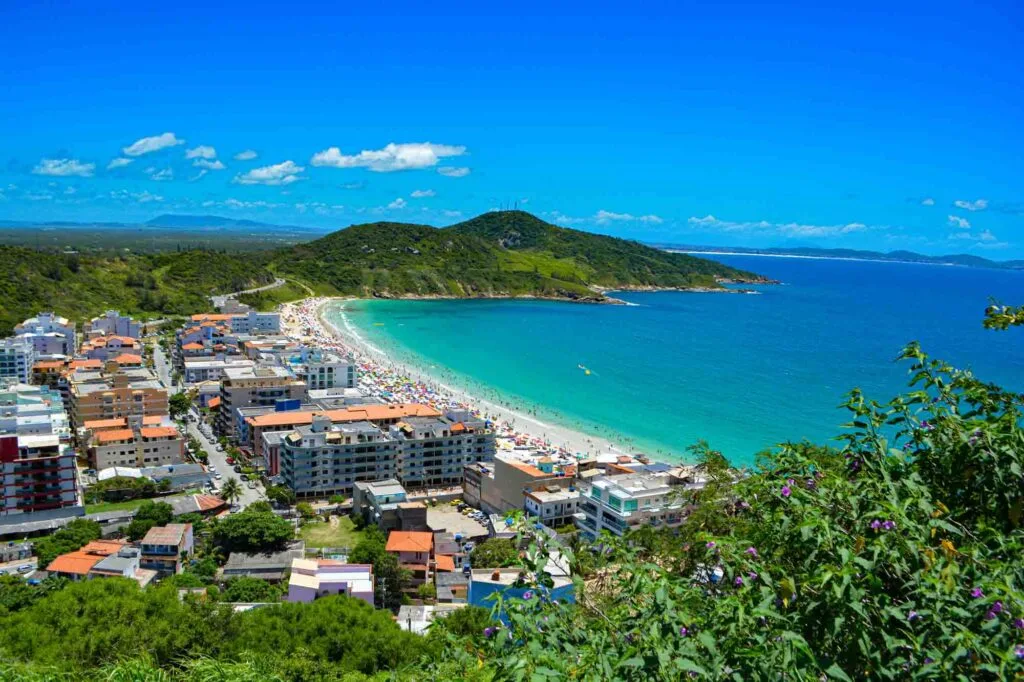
(159, 432)
(409, 541)
(191, 330)
(48, 364)
(211, 317)
(128, 358)
(115, 434)
(99, 424)
(527, 469)
(208, 502)
(351, 413)
(445, 562)
(192, 346)
(80, 562)
(125, 340)
(214, 403)
(153, 420)
(91, 363)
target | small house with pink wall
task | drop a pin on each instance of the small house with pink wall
(314, 578)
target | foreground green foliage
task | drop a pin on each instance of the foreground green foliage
(75, 535)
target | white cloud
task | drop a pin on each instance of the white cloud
(393, 157)
(38, 196)
(422, 193)
(984, 239)
(64, 167)
(397, 203)
(603, 217)
(155, 143)
(353, 185)
(160, 175)
(238, 204)
(976, 205)
(208, 165)
(451, 214)
(453, 171)
(247, 155)
(201, 152)
(144, 197)
(957, 221)
(278, 174)
(928, 202)
(70, 190)
(198, 175)
(710, 222)
(118, 163)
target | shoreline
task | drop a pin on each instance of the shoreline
(388, 379)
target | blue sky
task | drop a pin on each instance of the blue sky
(895, 125)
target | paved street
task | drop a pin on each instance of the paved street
(164, 370)
(219, 301)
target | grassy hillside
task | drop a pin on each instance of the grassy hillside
(80, 286)
(496, 254)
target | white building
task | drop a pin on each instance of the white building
(112, 323)
(254, 321)
(49, 334)
(33, 410)
(555, 506)
(327, 370)
(625, 502)
(212, 369)
(16, 359)
(434, 451)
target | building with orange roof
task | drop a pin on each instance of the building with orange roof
(165, 549)
(498, 486)
(444, 562)
(414, 550)
(133, 443)
(48, 372)
(105, 348)
(128, 360)
(115, 391)
(76, 565)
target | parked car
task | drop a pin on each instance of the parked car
(237, 468)
(244, 477)
(231, 460)
(218, 476)
(252, 485)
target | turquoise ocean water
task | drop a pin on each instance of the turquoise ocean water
(741, 371)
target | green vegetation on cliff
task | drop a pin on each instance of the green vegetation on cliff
(506, 253)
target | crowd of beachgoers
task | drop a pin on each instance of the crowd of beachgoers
(382, 377)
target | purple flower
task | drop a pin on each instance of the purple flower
(789, 481)
(997, 607)
(752, 551)
(926, 425)
(710, 545)
(683, 632)
(489, 632)
(1019, 623)
(928, 660)
(888, 525)
(738, 581)
(752, 575)
(876, 524)
(528, 595)
(785, 491)
(976, 593)
(811, 485)
(1019, 651)
(912, 616)
(990, 615)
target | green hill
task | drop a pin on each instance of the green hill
(80, 286)
(507, 253)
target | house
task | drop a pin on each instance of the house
(315, 578)
(76, 565)
(271, 567)
(123, 564)
(510, 583)
(166, 548)
(419, 618)
(413, 550)
(386, 505)
(207, 505)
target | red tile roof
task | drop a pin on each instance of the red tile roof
(100, 424)
(214, 403)
(192, 346)
(445, 562)
(159, 432)
(409, 541)
(128, 359)
(112, 435)
(351, 413)
(80, 562)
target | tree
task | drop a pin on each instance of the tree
(391, 577)
(74, 536)
(305, 510)
(494, 553)
(260, 506)
(149, 515)
(249, 590)
(231, 490)
(251, 531)
(427, 591)
(281, 495)
(179, 404)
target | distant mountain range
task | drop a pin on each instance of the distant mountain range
(169, 221)
(962, 259)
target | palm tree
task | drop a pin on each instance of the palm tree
(231, 490)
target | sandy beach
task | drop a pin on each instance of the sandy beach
(399, 382)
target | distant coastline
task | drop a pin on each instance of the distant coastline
(906, 257)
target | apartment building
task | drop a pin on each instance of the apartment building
(49, 333)
(165, 549)
(115, 392)
(136, 445)
(254, 387)
(37, 478)
(620, 503)
(434, 451)
(326, 370)
(285, 422)
(17, 356)
(386, 505)
(205, 368)
(33, 410)
(105, 348)
(112, 323)
(498, 486)
(244, 322)
(324, 458)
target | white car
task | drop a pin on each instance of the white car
(218, 476)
